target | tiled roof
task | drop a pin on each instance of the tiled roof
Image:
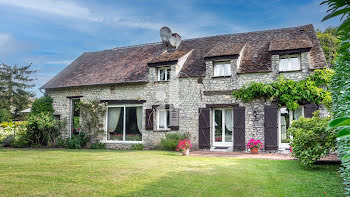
(222, 49)
(168, 56)
(130, 64)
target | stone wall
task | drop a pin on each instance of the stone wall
(187, 94)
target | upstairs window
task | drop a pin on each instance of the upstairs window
(164, 74)
(290, 62)
(222, 69)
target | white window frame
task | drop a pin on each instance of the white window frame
(223, 143)
(124, 124)
(166, 68)
(166, 117)
(215, 63)
(284, 146)
(290, 62)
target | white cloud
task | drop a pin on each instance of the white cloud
(61, 62)
(56, 7)
(10, 45)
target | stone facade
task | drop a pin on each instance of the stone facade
(185, 93)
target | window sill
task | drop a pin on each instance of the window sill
(288, 71)
(162, 130)
(215, 77)
(165, 81)
(122, 142)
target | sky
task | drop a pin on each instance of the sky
(50, 34)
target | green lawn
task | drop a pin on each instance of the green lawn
(58, 172)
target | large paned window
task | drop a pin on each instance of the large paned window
(290, 62)
(75, 116)
(222, 69)
(223, 127)
(286, 118)
(124, 123)
(163, 119)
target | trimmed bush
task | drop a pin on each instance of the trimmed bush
(171, 141)
(42, 105)
(311, 139)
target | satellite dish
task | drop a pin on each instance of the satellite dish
(165, 33)
(175, 40)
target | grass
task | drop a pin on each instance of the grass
(29, 172)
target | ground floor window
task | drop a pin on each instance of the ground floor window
(163, 119)
(286, 117)
(223, 127)
(124, 123)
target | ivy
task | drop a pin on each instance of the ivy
(290, 93)
(92, 113)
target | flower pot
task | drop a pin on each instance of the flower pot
(254, 150)
(186, 152)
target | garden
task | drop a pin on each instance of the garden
(84, 172)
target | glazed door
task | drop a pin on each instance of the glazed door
(222, 127)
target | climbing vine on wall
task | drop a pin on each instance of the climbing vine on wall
(92, 113)
(290, 93)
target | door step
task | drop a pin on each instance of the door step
(222, 149)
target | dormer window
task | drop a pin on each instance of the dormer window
(164, 74)
(222, 69)
(290, 62)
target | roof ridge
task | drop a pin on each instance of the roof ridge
(138, 45)
(259, 31)
(155, 43)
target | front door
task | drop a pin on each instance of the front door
(223, 127)
(285, 120)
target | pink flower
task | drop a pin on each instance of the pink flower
(254, 144)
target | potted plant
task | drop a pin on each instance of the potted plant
(184, 146)
(254, 146)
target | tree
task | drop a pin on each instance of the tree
(340, 85)
(14, 84)
(329, 42)
(43, 104)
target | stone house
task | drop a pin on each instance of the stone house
(154, 89)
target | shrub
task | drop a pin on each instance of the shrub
(61, 143)
(311, 139)
(43, 129)
(77, 141)
(98, 145)
(20, 142)
(7, 141)
(42, 105)
(137, 147)
(10, 128)
(171, 141)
